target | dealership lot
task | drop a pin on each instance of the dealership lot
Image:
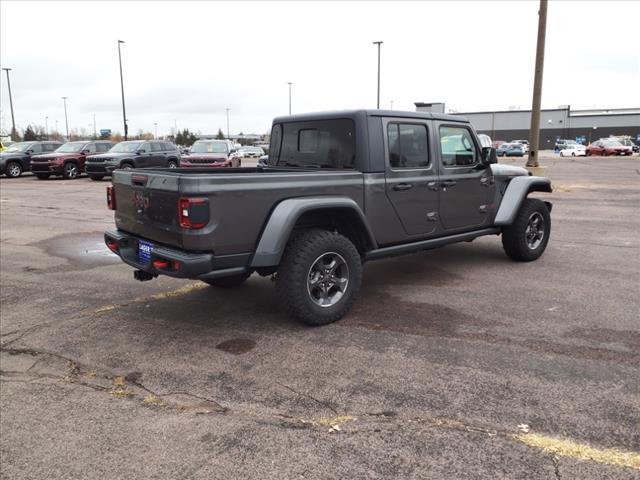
(454, 363)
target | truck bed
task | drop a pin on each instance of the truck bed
(239, 201)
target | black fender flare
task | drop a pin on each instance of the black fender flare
(282, 220)
(517, 190)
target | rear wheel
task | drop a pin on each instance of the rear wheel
(561, 154)
(13, 170)
(96, 178)
(229, 282)
(319, 276)
(527, 237)
(70, 171)
(42, 176)
(573, 154)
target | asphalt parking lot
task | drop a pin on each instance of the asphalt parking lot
(454, 363)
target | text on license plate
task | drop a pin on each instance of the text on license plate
(144, 252)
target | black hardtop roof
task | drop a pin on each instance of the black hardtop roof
(305, 117)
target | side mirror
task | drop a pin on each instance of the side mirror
(84, 152)
(233, 150)
(489, 155)
(141, 150)
(29, 152)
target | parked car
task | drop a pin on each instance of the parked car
(496, 143)
(251, 152)
(17, 158)
(626, 141)
(573, 150)
(607, 147)
(501, 151)
(211, 153)
(524, 143)
(485, 140)
(563, 143)
(263, 161)
(68, 160)
(313, 216)
(516, 150)
(133, 154)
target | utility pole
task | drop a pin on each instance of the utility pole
(66, 121)
(378, 43)
(228, 135)
(391, 104)
(13, 121)
(124, 112)
(46, 126)
(95, 136)
(290, 97)
(155, 126)
(534, 139)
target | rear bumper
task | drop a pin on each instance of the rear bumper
(181, 264)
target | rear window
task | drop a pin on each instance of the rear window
(321, 144)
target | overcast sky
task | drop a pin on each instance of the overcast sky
(188, 62)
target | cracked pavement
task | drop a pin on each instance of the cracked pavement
(444, 355)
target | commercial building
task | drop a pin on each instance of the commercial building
(585, 125)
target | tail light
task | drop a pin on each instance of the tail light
(193, 213)
(113, 246)
(111, 197)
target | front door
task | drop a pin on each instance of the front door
(411, 176)
(466, 184)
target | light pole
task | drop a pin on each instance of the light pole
(378, 43)
(66, 121)
(532, 161)
(124, 112)
(391, 104)
(228, 135)
(13, 121)
(155, 126)
(46, 126)
(290, 97)
(56, 127)
(95, 135)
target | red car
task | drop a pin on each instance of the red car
(68, 160)
(608, 147)
(211, 153)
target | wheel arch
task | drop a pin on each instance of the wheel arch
(339, 213)
(517, 190)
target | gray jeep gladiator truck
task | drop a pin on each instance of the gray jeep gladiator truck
(339, 189)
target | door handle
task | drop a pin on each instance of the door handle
(403, 186)
(449, 183)
(432, 186)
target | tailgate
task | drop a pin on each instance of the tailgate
(147, 205)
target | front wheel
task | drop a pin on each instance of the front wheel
(70, 171)
(229, 282)
(172, 164)
(319, 276)
(14, 170)
(561, 154)
(526, 238)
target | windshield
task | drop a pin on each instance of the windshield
(612, 143)
(19, 147)
(126, 147)
(71, 147)
(209, 147)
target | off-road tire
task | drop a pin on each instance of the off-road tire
(300, 254)
(13, 170)
(42, 176)
(514, 236)
(70, 171)
(96, 178)
(229, 282)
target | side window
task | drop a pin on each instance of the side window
(145, 146)
(168, 146)
(457, 147)
(408, 147)
(103, 147)
(37, 148)
(91, 147)
(156, 147)
(320, 143)
(274, 144)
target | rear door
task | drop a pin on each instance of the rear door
(411, 175)
(466, 185)
(145, 159)
(159, 155)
